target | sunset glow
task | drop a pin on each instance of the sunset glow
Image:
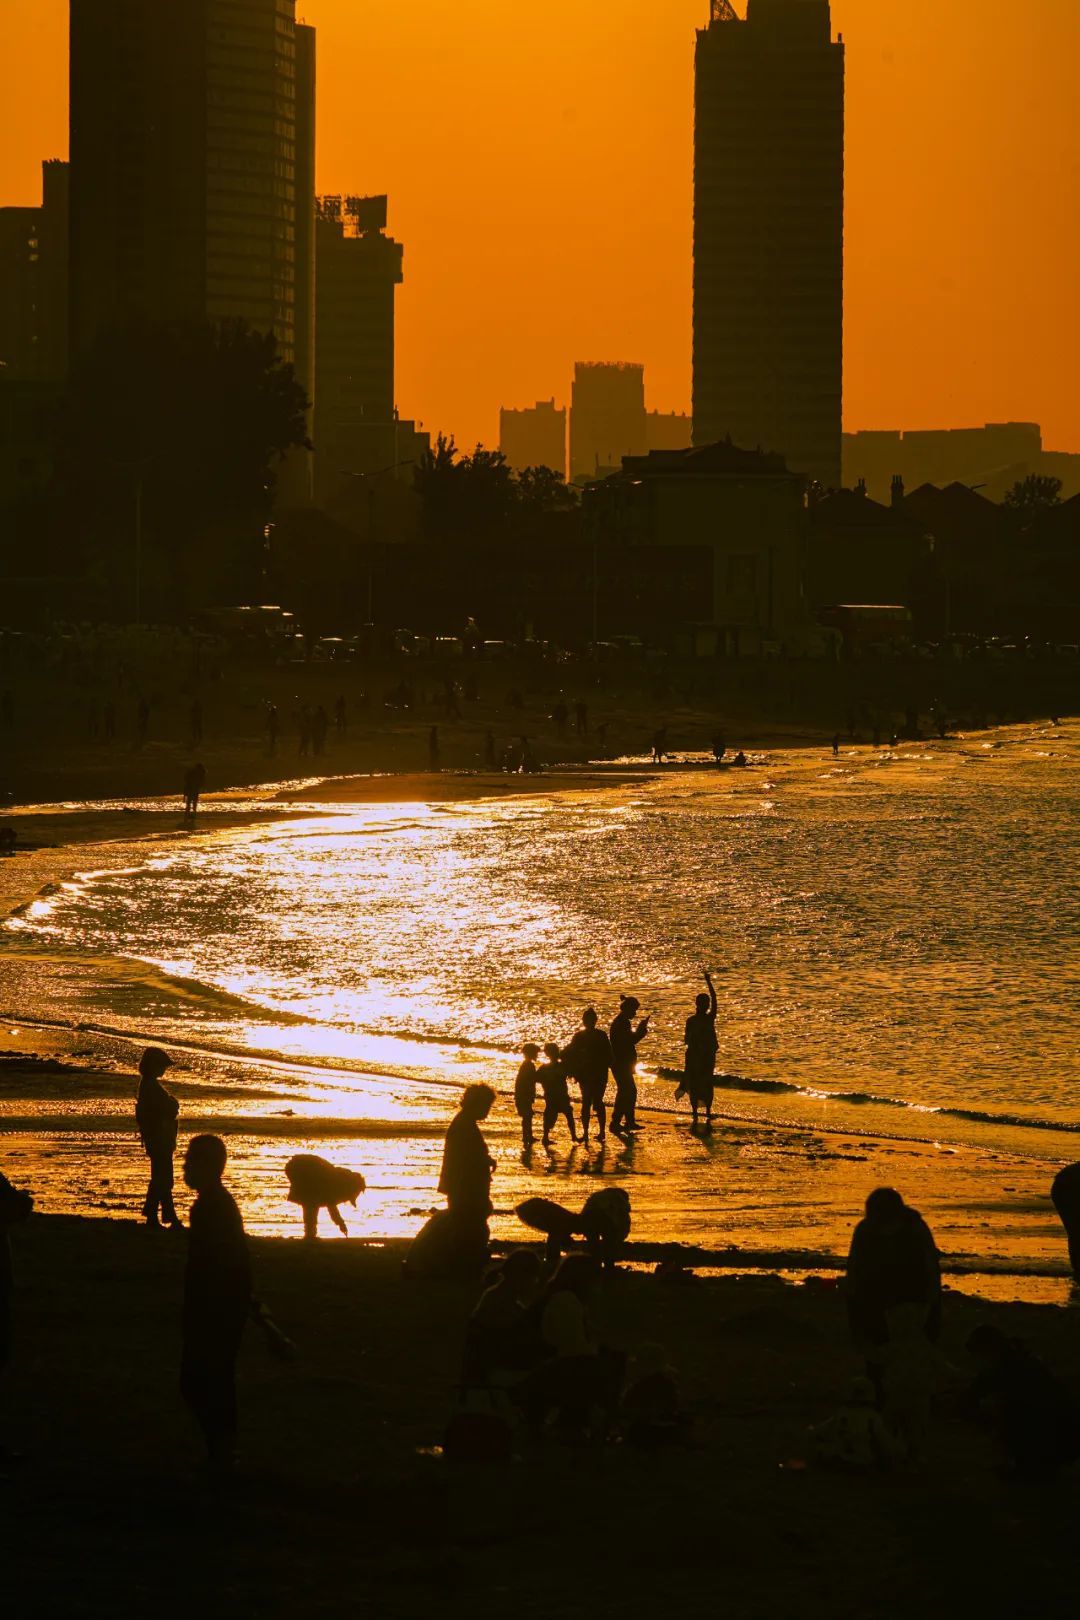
(538, 162)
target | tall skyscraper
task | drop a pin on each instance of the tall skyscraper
(34, 281)
(186, 178)
(769, 233)
(607, 418)
(358, 271)
(535, 437)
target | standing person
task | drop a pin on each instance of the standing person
(659, 745)
(893, 1263)
(1066, 1195)
(217, 1301)
(836, 746)
(467, 1167)
(157, 1114)
(15, 1206)
(625, 1040)
(194, 782)
(719, 747)
(320, 725)
(525, 1091)
(552, 1077)
(589, 1059)
(699, 1069)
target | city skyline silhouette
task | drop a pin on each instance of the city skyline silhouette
(957, 123)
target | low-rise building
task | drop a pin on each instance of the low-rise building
(743, 510)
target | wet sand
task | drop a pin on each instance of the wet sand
(343, 1503)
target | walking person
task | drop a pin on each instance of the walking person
(525, 1091)
(217, 1301)
(589, 1059)
(194, 782)
(157, 1114)
(552, 1076)
(467, 1168)
(625, 1040)
(699, 1068)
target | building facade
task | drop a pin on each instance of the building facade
(34, 283)
(189, 190)
(743, 510)
(607, 418)
(358, 269)
(769, 233)
(669, 430)
(535, 437)
(991, 458)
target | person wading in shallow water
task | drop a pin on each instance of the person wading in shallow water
(625, 1040)
(588, 1058)
(699, 1071)
(157, 1115)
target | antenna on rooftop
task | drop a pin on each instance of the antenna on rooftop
(724, 11)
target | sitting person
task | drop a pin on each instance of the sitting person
(578, 1382)
(856, 1439)
(652, 1407)
(316, 1184)
(1036, 1419)
(499, 1345)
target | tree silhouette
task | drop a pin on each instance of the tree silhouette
(1034, 494)
(185, 424)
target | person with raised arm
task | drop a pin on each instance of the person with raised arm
(699, 1069)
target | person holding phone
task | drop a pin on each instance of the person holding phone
(625, 1040)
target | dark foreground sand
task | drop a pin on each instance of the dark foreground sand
(343, 1508)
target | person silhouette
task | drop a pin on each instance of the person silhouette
(157, 1114)
(699, 1070)
(217, 1301)
(1066, 1196)
(15, 1206)
(316, 1184)
(893, 1264)
(194, 782)
(467, 1167)
(625, 1040)
(589, 1059)
(525, 1091)
(552, 1076)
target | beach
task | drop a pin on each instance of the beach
(130, 928)
(343, 1502)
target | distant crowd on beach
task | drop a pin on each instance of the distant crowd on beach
(534, 1361)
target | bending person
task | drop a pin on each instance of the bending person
(316, 1184)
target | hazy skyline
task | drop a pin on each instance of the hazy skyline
(539, 168)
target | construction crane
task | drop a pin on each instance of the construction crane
(724, 11)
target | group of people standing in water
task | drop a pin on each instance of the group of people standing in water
(593, 1055)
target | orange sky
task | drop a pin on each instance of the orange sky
(538, 160)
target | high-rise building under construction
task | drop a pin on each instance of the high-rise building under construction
(769, 233)
(192, 176)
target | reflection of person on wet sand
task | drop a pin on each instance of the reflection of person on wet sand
(699, 1071)
(316, 1184)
